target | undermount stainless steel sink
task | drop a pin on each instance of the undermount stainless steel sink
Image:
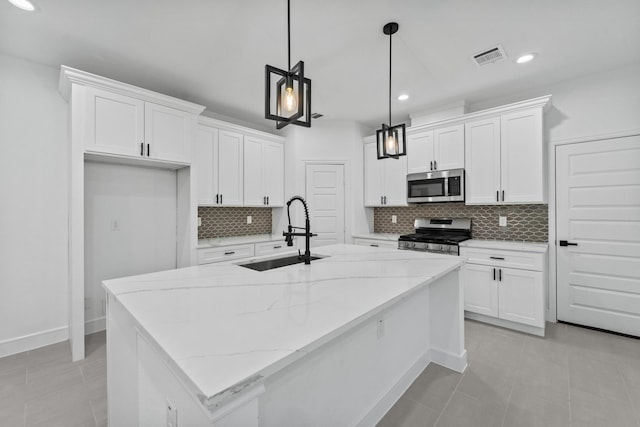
(269, 264)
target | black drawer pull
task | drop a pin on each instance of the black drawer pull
(229, 253)
(277, 247)
(499, 258)
(565, 243)
(375, 246)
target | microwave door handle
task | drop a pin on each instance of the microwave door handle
(446, 186)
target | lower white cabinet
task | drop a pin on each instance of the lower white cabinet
(376, 243)
(506, 287)
(225, 253)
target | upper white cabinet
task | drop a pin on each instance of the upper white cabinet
(263, 172)
(219, 166)
(504, 159)
(436, 149)
(385, 181)
(128, 126)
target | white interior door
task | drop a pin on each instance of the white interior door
(325, 197)
(598, 209)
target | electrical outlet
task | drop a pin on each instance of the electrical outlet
(199, 221)
(172, 415)
(249, 219)
(380, 327)
(502, 221)
(394, 219)
(115, 225)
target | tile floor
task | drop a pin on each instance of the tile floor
(573, 377)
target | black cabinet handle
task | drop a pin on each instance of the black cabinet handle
(267, 200)
(264, 200)
(494, 274)
(499, 275)
(431, 165)
(497, 196)
(435, 165)
(565, 243)
(381, 200)
(229, 253)
(221, 199)
(217, 198)
(497, 257)
(277, 247)
(148, 150)
(142, 148)
(503, 195)
(375, 246)
(385, 200)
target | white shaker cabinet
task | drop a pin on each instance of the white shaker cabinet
(263, 172)
(385, 180)
(506, 287)
(126, 126)
(436, 149)
(219, 165)
(504, 159)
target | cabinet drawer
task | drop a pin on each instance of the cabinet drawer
(376, 243)
(504, 258)
(225, 253)
(268, 248)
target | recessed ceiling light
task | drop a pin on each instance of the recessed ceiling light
(23, 4)
(525, 58)
(403, 97)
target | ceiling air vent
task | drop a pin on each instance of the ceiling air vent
(489, 56)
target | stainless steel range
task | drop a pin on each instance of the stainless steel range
(438, 235)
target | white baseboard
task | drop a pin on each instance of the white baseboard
(33, 341)
(507, 324)
(391, 397)
(95, 325)
(454, 362)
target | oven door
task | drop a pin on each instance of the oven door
(436, 187)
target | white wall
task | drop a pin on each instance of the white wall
(596, 104)
(143, 202)
(33, 213)
(326, 140)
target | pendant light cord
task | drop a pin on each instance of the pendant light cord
(390, 35)
(289, 35)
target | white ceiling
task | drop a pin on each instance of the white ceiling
(213, 52)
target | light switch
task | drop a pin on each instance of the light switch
(199, 221)
(394, 219)
(502, 221)
(249, 219)
(115, 225)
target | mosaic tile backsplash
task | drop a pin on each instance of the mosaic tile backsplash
(226, 222)
(528, 223)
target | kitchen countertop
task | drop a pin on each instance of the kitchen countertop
(506, 244)
(222, 327)
(238, 240)
(377, 236)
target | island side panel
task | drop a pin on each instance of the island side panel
(446, 312)
(122, 366)
(356, 378)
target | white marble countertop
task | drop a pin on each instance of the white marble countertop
(377, 236)
(506, 245)
(238, 240)
(223, 327)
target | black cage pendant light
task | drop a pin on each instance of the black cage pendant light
(287, 97)
(391, 140)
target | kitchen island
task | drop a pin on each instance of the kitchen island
(336, 342)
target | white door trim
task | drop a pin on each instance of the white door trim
(348, 200)
(552, 309)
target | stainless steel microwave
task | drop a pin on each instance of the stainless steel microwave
(436, 186)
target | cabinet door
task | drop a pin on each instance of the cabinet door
(229, 164)
(114, 123)
(273, 164)
(448, 146)
(168, 133)
(520, 295)
(482, 161)
(373, 170)
(203, 163)
(523, 169)
(480, 290)
(254, 194)
(395, 181)
(420, 152)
